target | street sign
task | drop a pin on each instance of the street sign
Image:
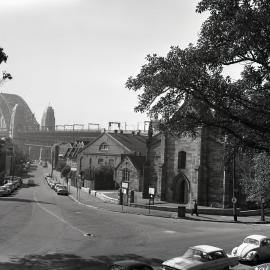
(151, 191)
(125, 184)
(124, 190)
(234, 200)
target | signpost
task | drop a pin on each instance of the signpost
(125, 186)
(234, 201)
(151, 192)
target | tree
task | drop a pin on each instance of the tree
(188, 89)
(3, 58)
(65, 172)
(256, 179)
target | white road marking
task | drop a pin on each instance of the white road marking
(171, 232)
(58, 217)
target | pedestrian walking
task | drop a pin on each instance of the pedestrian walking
(195, 208)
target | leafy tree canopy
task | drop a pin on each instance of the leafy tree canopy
(3, 58)
(257, 185)
(65, 171)
(187, 86)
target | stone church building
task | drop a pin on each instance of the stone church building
(184, 169)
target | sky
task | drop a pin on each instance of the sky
(76, 55)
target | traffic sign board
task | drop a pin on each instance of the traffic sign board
(151, 191)
(234, 200)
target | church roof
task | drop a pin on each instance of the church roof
(134, 142)
(137, 161)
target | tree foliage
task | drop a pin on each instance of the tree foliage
(187, 87)
(256, 180)
(65, 171)
(3, 58)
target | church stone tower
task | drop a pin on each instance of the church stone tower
(48, 120)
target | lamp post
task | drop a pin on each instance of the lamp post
(234, 200)
(262, 209)
(52, 161)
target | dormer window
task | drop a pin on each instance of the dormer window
(104, 147)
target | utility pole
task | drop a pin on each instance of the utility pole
(234, 200)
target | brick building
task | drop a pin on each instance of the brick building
(98, 159)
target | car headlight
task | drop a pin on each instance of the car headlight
(234, 251)
(251, 255)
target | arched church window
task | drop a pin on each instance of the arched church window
(104, 147)
(182, 160)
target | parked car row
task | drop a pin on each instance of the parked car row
(254, 248)
(56, 186)
(11, 183)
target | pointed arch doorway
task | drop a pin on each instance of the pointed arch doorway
(181, 189)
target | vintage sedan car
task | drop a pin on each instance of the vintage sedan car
(4, 191)
(61, 190)
(264, 266)
(130, 265)
(10, 186)
(30, 182)
(253, 249)
(201, 257)
(56, 185)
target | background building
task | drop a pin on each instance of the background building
(48, 120)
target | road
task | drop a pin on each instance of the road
(42, 230)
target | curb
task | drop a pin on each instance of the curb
(172, 217)
(116, 211)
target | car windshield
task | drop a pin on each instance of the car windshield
(251, 241)
(194, 253)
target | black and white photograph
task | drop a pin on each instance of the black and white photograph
(135, 135)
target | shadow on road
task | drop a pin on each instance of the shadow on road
(70, 262)
(22, 200)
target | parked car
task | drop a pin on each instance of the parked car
(130, 265)
(201, 257)
(264, 266)
(56, 184)
(4, 191)
(253, 249)
(61, 190)
(30, 182)
(47, 177)
(11, 186)
(50, 182)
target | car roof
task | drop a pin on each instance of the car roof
(206, 248)
(258, 237)
(130, 263)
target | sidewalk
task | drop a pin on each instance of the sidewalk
(102, 200)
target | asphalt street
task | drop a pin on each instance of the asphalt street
(42, 230)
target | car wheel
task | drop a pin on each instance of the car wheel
(256, 259)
